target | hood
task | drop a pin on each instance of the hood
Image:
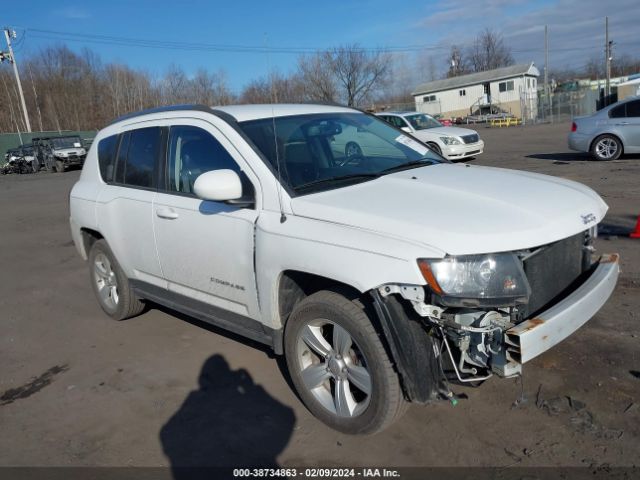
(70, 151)
(444, 131)
(461, 209)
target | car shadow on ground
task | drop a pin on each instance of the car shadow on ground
(228, 422)
(562, 157)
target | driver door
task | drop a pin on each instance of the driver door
(205, 247)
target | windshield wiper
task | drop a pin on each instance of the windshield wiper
(329, 181)
(408, 165)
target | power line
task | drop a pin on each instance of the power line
(235, 48)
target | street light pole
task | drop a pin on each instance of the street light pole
(12, 59)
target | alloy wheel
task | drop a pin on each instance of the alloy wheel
(106, 281)
(333, 368)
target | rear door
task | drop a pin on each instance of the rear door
(632, 127)
(124, 205)
(206, 248)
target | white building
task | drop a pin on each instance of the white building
(509, 89)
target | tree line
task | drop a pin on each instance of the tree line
(65, 90)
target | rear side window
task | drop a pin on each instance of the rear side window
(107, 157)
(618, 112)
(633, 109)
(137, 157)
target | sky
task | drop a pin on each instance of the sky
(247, 39)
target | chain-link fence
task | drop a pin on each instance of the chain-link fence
(563, 106)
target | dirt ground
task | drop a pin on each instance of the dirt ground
(78, 389)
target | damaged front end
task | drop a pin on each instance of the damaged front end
(492, 313)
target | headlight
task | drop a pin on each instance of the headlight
(60, 154)
(497, 277)
(450, 140)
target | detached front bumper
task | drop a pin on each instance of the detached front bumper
(532, 337)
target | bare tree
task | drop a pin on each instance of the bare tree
(317, 77)
(276, 88)
(348, 73)
(358, 72)
(489, 52)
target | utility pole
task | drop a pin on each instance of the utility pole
(546, 67)
(12, 58)
(607, 53)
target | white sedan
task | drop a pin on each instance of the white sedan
(453, 143)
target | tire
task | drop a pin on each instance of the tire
(50, 164)
(110, 285)
(352, 149)
(331, 339)
(59, 166)
(435, 147)
(606, 147)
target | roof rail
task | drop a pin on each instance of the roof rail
(168, 108)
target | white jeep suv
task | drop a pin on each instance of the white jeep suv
(379, 277)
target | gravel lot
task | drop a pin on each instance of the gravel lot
(77, 388)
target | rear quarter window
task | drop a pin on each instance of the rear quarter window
(107, 148)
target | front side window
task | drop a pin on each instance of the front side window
(192, 152)
(319, 152)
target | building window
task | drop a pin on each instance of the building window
(528, 83)
(429, 98)
(505, 86)
(463, 93)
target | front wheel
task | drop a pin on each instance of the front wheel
(606, 147)
(110, 285)
(339, 366)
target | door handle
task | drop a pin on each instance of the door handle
(167, 213)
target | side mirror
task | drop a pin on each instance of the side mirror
(218, 186)
(406, 129)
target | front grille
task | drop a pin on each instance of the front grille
(473, 138)
(551, 270)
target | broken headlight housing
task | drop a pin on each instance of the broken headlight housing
(495, 279)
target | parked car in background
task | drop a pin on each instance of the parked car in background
(610, 132)
(445, 122)
(19, 160)
(59, 153)
(453, 143)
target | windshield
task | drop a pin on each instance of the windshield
(66, 142)
(320, 152)
(421, 121)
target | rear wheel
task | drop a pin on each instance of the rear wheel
(340, 367)
(606, 147)
(110, 285)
